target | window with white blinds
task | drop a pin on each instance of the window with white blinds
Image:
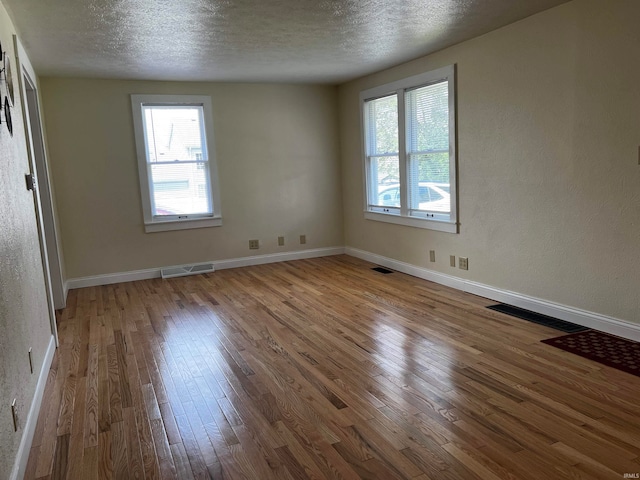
(178, 179)
(410, 154)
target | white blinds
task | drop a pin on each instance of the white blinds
(177, 160)
(383, 125)
(428, 118)
(427, 123)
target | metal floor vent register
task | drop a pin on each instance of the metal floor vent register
(382, 270)
(185, 270)
(538, 318)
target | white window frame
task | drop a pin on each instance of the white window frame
(178, 222)
(403, 215)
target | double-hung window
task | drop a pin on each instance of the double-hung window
(410, 151)
(176, 162)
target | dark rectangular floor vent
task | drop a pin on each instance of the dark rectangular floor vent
(382, 270)
(538, 318)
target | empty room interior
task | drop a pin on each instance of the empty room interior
(319, 240)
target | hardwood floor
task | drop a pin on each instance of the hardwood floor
(321, 369)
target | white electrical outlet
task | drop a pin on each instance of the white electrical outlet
(254, 244)
(452, 260)
(463, 263)
(280, 241)
(303, 239)
(432, 255)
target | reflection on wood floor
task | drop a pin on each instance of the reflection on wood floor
(321, 369)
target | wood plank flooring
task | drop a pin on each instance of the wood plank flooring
(321, 369)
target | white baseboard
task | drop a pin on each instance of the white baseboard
(217, 264)
(109, 278)
(585, 318)
(24, 449)
(277, 257)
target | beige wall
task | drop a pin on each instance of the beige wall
(549, 181)
(278, 159)
(24, 320)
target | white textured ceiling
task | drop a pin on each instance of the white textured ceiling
(324, 41)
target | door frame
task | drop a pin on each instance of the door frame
(43, 200)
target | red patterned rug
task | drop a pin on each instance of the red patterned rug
(601, 347)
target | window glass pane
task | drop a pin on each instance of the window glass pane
(180, 188)
(173, 133)
(428, 118)
(429, 182)
(383, 125)
(385, 177)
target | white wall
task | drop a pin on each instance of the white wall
(24, 316)
(278, 159)
(549, 180)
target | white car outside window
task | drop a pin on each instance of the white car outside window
(434, 197)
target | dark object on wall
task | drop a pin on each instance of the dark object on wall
(9, 79)
(537, 318)
(30, 181)
(7, 115)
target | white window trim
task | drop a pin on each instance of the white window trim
(401, 216)
(200, 221)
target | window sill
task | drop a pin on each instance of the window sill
(160, 226)
(412, 222)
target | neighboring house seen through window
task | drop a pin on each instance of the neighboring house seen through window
(176, 163)
(410, 151)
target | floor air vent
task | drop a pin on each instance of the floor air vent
(185, 270)
(538, 318)
(382, 270)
